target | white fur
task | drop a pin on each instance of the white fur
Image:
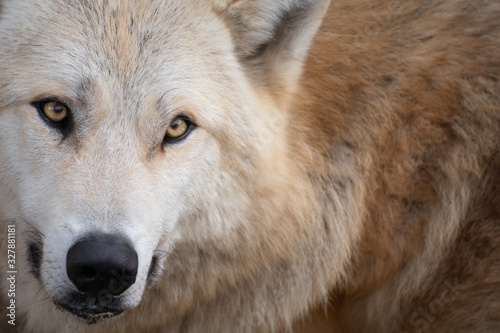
(112, 175)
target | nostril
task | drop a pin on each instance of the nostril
(102, 263)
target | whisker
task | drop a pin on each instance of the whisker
(31, 225)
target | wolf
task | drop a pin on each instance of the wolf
(250, 166)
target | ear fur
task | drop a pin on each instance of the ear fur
(271, 37)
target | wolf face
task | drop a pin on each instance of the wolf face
(131, 129)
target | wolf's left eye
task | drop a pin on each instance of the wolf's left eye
(178, 130)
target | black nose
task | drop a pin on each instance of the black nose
(102, 262)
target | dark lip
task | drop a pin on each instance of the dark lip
(91, 315)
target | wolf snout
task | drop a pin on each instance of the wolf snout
(102, 263)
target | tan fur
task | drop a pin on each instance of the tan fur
(357, 195)
(414, 94)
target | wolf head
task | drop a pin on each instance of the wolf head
(144, 143)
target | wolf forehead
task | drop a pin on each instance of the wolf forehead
(121, 24)
(114, 40)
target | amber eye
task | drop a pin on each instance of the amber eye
(55, 113)
(178, 129)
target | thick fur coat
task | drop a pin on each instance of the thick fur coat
(342, 176)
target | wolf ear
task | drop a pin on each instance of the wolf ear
(272, 37)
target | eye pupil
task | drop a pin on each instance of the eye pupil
(175, 124)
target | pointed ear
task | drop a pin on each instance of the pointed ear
(272, 37)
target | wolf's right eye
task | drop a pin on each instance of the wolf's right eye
(55, 113)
